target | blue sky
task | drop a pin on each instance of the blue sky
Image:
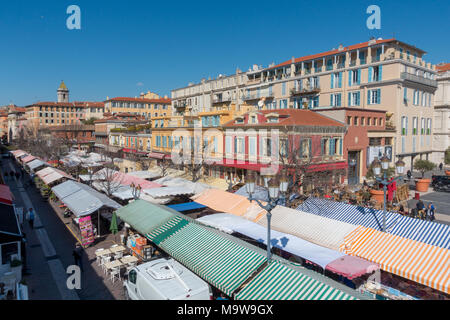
(127, 47)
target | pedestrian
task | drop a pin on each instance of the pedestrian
(440, 166)
(31, 217)
(11, 173)
(77, 255)
(409, 174)
(421, 209)
(431, 211)
(6, 175)
(17, 175)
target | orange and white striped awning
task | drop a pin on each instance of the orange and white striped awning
(413, 260)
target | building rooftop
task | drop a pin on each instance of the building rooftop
(443, 67)
(128, 99)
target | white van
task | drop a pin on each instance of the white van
(165, 279)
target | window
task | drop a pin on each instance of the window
(405, 95)
(362, 57)
(415, 121)
(8, 250)
(369, 121)
(355, 121)
(324, 147)
(354, 77)
(305, 148)
(252, 146)
(335, 100)
(253, 119)
(283, 89)
(375, 73)
(374, 96)
(132, 276)
(228, 142)
(267, 147)
(375, 121)
(404, 125)
(349, 120)
(374, 142)
(284, 147)
(422, 127)
(353, 98)
(329, 64)
(428, 126)
(363, 120)
(336, 80)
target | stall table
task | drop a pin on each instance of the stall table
(102, 253)
(117, 249)
(128, 260)
(113, 264)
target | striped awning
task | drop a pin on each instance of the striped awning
(218, 260)
(279, 282)
(166, 230)
(432, 233)
(413, 260)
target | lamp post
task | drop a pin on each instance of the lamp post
(136, 190)
(231, 182)
(275, 189)
(377, 166)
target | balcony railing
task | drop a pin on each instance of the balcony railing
(305, 91)
(352, 63)
(258, 96)
(180, 105)
(417, 79)
(221, 100)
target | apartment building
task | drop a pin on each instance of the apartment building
(209, 94)
(441, 127)
(62, 112)
(16, 121)
(147, 105)
(82, 136)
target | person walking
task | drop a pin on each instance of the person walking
(431, 211)
(441, 166)
(31, 217)
(421, 209)
(77, 255)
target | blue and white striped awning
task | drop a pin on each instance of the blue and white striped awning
(432, 233)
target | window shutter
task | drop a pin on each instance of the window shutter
(357, 98)
(369, 92)
(349, 102)
(332, 143)
(332, 80)
(339, 100)
(370, 74)
(340, 147)
(331, 100)
(350, 77)
(380, 72)
(359, 76)
(378, 96)
(340, 80)
(322, 145)
(310, 147)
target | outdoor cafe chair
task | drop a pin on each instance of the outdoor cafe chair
(99, 258)
(118, 255)
(105, 260)
(115, 272)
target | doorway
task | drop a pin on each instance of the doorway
(353, 167)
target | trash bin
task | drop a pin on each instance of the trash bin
(417, 196)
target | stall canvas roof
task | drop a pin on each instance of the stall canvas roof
(36, 164)
(6, 196)
(81, 199)
(321, 231)
(218, 260)
(46, 171)
(182, 207)
(279, 282)
(121, 192)
(18, 153)
(165, 192)
(433, 233)
(28, 158)
(146, 174)
(144, 216)
(223, 201)
(413, 260)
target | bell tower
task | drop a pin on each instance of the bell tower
(63, 93)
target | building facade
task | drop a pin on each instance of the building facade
(441, 127)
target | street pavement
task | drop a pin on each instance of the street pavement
(49, 252)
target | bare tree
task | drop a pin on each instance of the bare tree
(193, 160)
(109, 179)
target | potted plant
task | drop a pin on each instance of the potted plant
(16, 268)
(376, 192)
(423, 166)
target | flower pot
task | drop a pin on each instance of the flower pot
(422, 185)
(377, 195)
(447, 172)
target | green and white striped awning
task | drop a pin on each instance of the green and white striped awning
(166, 230)
(218, 260)
(279, 282)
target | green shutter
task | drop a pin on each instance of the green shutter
(370, 74)
(332, 80)
(340, 79)
(350, 74)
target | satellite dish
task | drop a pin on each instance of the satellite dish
(260, 103)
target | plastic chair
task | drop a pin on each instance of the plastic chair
(118, 255)
(99, 258)
(104, 260)
(115, 272)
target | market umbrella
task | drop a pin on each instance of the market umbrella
(113, 227)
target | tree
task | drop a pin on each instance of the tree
(447, 156)
(423, 166)
(193, 160)
(109, 179)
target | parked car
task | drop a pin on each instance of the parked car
(165, 279)
(442, 186)
(439, 179)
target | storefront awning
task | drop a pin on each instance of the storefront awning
(36, 164)
(413, 260)
(279, 282)
(28, 158)
(188, 206)
(9, 226)
(6, 195)
(253, 166)
(159, 156)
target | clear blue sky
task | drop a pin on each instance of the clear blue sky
(126, 47)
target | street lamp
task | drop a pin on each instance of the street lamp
(136, 190)
(275, 188)
(377, 166)
(231, 182)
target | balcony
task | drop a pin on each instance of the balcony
(221, 100)
(180, 105)
(417, 79)
(257, 96)
(352, 63)
(305, 91)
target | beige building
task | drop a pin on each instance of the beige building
(441, 127)
(147, 105)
